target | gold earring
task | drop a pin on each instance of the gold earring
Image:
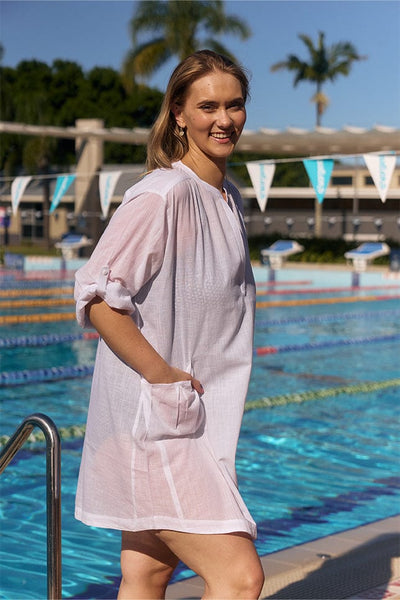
(181, 131)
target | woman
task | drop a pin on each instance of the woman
(170, 289)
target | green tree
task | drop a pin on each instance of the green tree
(178, 27)
(325, 63)
(39, 94)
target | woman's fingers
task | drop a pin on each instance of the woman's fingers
(197, 386)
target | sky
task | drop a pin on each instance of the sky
(96, 33)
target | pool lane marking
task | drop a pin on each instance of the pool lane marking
(28, 376)
(38, 318)
(262, 350)
(279, 283)
(12, 293)
(30, 341)
(339, 316)
(327, 290)
(311, 301)
(78, 431)
(300, 397)
(41, 303)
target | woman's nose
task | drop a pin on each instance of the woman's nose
(224, 119)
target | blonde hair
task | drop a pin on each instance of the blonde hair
(165, 145)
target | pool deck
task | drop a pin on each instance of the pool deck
(357, 564)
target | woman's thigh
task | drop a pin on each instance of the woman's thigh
(222, 560)
(144, 553)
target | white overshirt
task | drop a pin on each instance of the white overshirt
(160, 456)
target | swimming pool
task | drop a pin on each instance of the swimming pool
(318, 450)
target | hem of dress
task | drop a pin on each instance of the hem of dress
(185, 526)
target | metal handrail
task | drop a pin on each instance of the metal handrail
(53, 490)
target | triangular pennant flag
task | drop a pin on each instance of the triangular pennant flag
(381, 168)
(18, 187)
(319, 172)
(261, 176)
(107, 183)
(62, 184)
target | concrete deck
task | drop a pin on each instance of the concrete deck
(361, 563)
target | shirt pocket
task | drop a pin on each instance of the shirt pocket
(171, 410)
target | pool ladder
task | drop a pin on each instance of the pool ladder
(53, 490)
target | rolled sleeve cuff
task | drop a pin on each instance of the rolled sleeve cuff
(115, 294)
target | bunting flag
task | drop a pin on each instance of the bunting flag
(261, 176)
(107, 183)
(381, 168)
(62, 184)
(18, 187)
(319, 172)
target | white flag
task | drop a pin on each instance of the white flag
(107, 183)
(18, 187)
(381, 167)
(261, 176)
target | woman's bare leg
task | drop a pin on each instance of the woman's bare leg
(228, 563)
(146, 564)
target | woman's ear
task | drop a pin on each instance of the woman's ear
(177, 112)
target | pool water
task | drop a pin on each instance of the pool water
(306, 469)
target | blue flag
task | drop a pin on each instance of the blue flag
(319, 172)
(62, 184)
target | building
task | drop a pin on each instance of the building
(351, 208)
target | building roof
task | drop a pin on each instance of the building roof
(291, 141)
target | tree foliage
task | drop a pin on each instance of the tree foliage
(177, 29)
(325, 63)
(59, 94)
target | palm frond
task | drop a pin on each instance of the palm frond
(325, 63)
(149, 17)
(144, 60)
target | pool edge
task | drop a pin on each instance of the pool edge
(332, 567)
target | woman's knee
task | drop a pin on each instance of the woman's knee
(243, 581)
(248, 581)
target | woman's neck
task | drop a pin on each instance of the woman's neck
(208, 170)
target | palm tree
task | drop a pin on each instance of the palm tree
(326, 63)
(177, 25)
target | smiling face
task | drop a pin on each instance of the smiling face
(213, 115)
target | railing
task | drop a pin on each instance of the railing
(53, 490)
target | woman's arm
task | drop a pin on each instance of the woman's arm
(124, 338)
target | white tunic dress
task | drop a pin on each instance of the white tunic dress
(160, 456)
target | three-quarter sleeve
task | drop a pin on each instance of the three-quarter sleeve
(128, 254)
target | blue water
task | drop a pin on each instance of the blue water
(305, 470)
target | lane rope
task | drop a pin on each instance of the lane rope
(78, 431)
(50, 339)
(310, 301)
(30, 341)
(330, 317)
(13, 378)
(300, 397)
(37, 318)
(327, 290)
(279, 283)
(41, 303)
(50, 291)
(262, 350)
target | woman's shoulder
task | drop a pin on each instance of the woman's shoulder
(160, 182)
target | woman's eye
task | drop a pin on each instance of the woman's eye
(208, 107)
(237, 105)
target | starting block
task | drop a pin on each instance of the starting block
(71, 244)
(276, 255)
(363, 255)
